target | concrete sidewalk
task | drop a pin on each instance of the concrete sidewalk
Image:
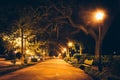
(54, 69)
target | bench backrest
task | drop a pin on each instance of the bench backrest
(88, 62)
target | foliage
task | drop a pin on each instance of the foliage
(73, 60)
(10, 55)
(77, 56)
(110, 72)
(115, 65)
(18, 55)
(25, 27)
(107, 60)
(66, 59)
(89, 57)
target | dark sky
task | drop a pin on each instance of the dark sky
(111, 41)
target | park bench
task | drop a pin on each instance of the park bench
(87, 63)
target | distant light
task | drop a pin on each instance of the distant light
(114, 52)
(15, 52)
(65, 49)
(70, 44)
(59, 54)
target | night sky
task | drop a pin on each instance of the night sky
(111, 41)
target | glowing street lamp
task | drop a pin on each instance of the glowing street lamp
(99, 16)
(70, 44)
(64, 50)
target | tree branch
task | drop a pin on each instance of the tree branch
(77, 26)
(93, 34)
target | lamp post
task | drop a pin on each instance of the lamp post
(99, 17)
(70, 44)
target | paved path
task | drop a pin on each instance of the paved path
(54, 69)
(3, 62)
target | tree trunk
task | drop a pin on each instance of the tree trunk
(22, 58)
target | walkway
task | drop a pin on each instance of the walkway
(54, 69)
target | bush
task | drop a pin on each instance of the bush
(34, 60)
(107, 60)
(10, 56)
(18, 55)
(89, 57)
(115, 67)
(66, 59)
(111, 64)
(77, 56)
(73, 60)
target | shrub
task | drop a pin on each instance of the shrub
(107, 60)
(34, 60)
(18, 55)
(89, 57)
(115, 67)
(66, 59)
(73, 60)
(77, 56)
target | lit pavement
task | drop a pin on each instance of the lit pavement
(54, 69)
(4, 63)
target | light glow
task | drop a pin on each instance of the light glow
(64, 50)
(99, 15)
(70, 44)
